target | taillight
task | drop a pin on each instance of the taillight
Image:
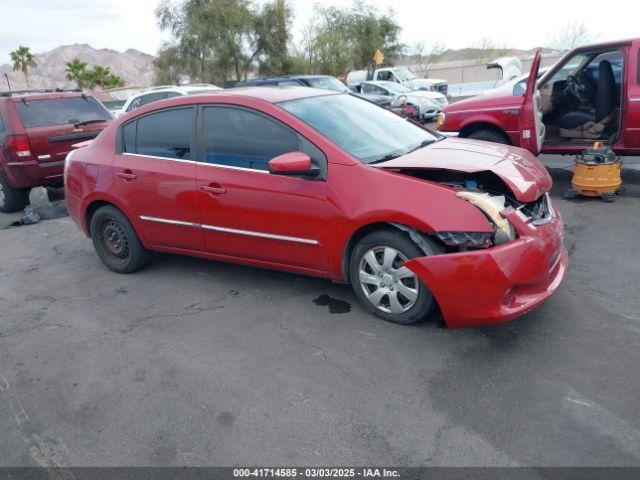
(19, 144)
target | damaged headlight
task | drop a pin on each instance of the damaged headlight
(491, 206)
(466, 239)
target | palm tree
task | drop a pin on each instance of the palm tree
(23, 59)
(114, 81)
(77, 72)
(100, 76)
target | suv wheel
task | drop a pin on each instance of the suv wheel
(116, 241)
(11, 199)
(383, 285)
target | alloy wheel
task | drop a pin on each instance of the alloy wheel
(387, 284)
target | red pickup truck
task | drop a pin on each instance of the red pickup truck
(592, 93)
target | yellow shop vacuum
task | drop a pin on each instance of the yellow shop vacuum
(596, 174)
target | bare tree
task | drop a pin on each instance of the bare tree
(485, 50)
(571, 36)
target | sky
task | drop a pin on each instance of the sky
(121, 24)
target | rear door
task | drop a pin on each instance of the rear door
(53, 125)
(532, 130)
(155, 177)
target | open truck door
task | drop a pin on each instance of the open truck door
(532, 129)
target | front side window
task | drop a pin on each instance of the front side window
(239, 138)
(366, 131)
(60, 111)
(164, 134)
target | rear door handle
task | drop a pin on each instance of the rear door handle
(127, 175)
(213, 189)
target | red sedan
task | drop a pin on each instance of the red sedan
(330, 185)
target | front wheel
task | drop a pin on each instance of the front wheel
(489, 136)
(384, 286)
(116, 242)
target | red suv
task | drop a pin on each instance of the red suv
(325, 184)
(37, 130)
(592, 93)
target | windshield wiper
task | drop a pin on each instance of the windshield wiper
(386, 158)
(423, 144)
(87, 122)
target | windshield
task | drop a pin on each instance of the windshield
(396, 88)
(368, 132)
(328, 83)
(60, 111)
(404, 74)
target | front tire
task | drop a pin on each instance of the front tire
(116, 242)
(489, 136)
(383, 285)
(12, 199)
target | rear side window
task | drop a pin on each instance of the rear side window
(164, 134)
(240, 138)
(639, 66)
(149, 98)
(2, 129)
(60, 111)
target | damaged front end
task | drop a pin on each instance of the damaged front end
(487, 278)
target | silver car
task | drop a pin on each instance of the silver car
(429, 103)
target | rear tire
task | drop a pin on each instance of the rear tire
(489, 136)
(116, 241)
(12, 199)
(384, 287)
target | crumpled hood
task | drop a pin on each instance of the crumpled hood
(519, 169)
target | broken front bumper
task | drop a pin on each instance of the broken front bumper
(486, 287)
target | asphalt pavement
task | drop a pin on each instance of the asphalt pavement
(193, 362)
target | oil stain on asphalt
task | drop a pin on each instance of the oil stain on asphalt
(335, 305)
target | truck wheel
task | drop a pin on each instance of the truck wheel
(489, 136)
(383, 285)
(116, 242)
(12, 199)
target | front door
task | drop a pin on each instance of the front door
(532, 129)
(248, 213)
(155, 178)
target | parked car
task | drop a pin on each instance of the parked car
(325, 184)
(429, 103)
(161, 93)
(37, 130)
(591, 94)
(316, 81)
(400, 75)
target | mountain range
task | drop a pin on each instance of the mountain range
(133, 66)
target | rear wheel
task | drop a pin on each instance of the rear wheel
(489, 136)
(12, 199)
(116, 241)
(384, 286)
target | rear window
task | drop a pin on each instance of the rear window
(60, 111)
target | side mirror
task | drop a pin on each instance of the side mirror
(294, 164)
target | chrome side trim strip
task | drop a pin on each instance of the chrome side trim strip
(193, 162)
(261, 234)
(448, 134)
(272, 236)
(170, 222)
(127, 154)
(231, 167)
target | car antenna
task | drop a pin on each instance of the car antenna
(6, 75)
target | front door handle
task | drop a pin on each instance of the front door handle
(213, 189)
(127, 175)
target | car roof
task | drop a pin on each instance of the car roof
(276, 94)
(43, 94)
